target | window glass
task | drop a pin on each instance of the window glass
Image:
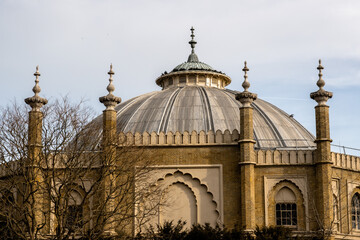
(74, 212)
(355, 211)
(286, 214)
(286, 210)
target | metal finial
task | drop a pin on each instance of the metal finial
(246, 83)
(36, 89)
(111, 86)
(192, 42)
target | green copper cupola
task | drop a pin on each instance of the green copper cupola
(193, 73)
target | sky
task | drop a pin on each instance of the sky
(74, 42)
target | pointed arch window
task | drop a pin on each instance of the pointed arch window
(286, 209)
(355, 211)
(74, 210)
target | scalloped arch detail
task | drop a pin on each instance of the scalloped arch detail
(200, 191)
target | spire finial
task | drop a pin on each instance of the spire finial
(192, 42)
(246, 97)
(321, 96)
(111, 86)
(36, 102)
(320, 82)
(36, 89)
(110, 100)
(246, 83)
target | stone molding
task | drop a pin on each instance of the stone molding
(345, 161)
(284, 157)
(196, 178)
(300, 181)
(185, 138)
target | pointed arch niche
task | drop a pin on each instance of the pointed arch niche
(291, 189)
(192, 193)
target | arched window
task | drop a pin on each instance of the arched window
(355, 211)
(286, 211)
(74, 210)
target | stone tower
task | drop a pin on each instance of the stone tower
(324, 203)
(247, 158)
(109, 154)
(35, 157)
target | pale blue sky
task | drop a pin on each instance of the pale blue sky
(75, 41)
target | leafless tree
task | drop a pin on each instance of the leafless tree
(74, 190)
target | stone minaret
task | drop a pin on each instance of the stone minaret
(247, 155)
(34, 176)
(109, 152)
(324, 202)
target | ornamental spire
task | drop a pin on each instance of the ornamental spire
(192, 42)
(111, 86)
(36, 102)
(110, 100)
(36, 89)
(192, 57)
(320, 82)
(321, 96)
(246, 83)
(246, 97)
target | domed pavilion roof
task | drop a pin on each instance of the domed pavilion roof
(194, 97)
(199, 108)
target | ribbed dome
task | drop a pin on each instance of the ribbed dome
(193, 66)
(199, 108)
(194, 98)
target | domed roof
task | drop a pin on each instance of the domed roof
(199, 108)
(194, 98)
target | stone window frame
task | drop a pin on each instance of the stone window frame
(82, 187)
(275, 185)
(353, 187)
(73, 207)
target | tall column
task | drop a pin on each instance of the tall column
(34, 177)
(324, 202)
(109, 154)
(247, 155)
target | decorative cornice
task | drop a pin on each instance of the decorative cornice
(321, 96)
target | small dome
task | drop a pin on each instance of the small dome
(193, 66)
(193, 72)
(193, 62)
